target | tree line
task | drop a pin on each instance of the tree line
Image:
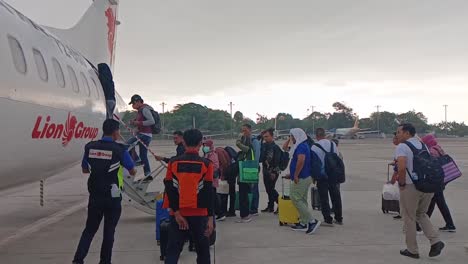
(185, 116)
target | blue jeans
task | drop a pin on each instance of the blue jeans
(143, 151)
(255, 198)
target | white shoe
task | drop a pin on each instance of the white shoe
(245, 220)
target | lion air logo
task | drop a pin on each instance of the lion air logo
(71, 129)
(110, 30)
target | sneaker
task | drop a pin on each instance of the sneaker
(276, 212)
(398, 217)
(221, 218)
(450, 229)
(267, 210)
(244, 220)
(254, 213)
(231, 215)
(328, 224)
(299, 227)
(436, 249)
(338, 222)
(313, 227)
(406, 253)
(148, 178)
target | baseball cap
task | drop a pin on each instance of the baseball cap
(135, 98)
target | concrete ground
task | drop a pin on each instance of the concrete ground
(33, 234)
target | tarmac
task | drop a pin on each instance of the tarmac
(30, 233)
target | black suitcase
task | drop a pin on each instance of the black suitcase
(164, 237)
(315, 198)
(390, 205)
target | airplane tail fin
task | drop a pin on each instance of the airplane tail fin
(94, 36)
(356, 122)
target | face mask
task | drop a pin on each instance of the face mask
(206, 149)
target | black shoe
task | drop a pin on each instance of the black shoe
(436, 249)
(267, 210)
(450, 229)
(406, 253)
(231, 215)
(397, 217)
(338, 222)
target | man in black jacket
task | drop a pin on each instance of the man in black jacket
(270, 158)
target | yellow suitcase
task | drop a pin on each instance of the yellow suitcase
(287, 212)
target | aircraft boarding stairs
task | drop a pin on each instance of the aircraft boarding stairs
(136, 191)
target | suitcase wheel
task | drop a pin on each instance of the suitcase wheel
(158, 242)
(281, 223)
(161, 258)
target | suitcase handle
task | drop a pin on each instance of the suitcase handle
(388, 172)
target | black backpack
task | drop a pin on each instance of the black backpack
(428, 169)
(156, 128)
(284, 160)
(334, 165)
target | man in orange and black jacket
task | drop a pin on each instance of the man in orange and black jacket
(190, 197)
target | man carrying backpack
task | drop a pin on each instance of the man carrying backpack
(411, 157)
(143, 122)
(329, 183)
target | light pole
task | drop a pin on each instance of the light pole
(163, 104)
(446, 127)
(312, 116)
(232, 125)
(378, 117)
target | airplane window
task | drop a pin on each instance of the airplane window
(96, 88)
(74, 80)
(85, 84)
(58, 73)
(40, 65)
(18, 55)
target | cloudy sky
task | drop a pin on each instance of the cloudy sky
(270, 56)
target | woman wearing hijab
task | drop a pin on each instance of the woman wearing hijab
(439, 198)
(300, 175)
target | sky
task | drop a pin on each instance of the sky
(270, 56)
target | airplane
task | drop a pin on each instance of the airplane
(352, 132)
(51, 99)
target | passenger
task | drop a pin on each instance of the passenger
(102, 159)
(270, 158)
(413, 203)
(249, 146)
(143, 122)
(439, 198)
(300, 175)
(178, 138)
(326, 186)
(191, 206)
(108, 87)
(210, 154)
(224, 163)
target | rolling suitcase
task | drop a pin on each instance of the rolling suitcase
(161, 214)
(315, 198)
(287, 212)
(390, 205)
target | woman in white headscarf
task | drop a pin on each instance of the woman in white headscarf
(300, 174)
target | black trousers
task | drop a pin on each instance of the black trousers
(108, 208)
(177, 237)
(270, 184)
(324, 188)
(223, 203)
(439, 199)
(244, 208)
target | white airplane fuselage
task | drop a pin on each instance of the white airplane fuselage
(46, 119)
